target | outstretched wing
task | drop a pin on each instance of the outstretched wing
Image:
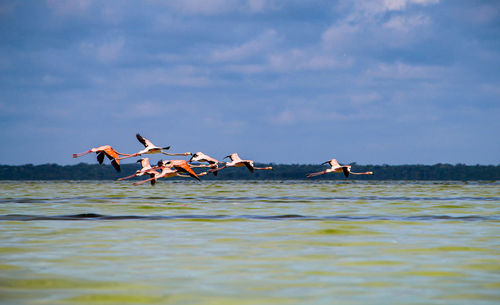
(143, 141)
(333, 163)
(100, 157)
(346, 171)
(249, 166)
(116, 164)
(186, 168)
(153, 181)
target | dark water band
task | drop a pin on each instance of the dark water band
(95, 217)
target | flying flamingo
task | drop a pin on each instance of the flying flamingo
(173, 168)
(146, 169)
(180, 165)
(335, 167)
(150, 148)
(201, 157)
(236, 161)
(107, 151)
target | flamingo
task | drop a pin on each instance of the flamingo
(150, 148)
(180, 165)
(201, 157)
(171, 168)
(236, 161)
(146, 169)
(107, 151)
(335, 167)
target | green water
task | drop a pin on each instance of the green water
(249, 242)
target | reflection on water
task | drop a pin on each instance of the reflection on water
(250, 242)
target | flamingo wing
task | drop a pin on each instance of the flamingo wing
(113, 156)
(153, 181)
(334, 163)
(100, 157)
(143, 141)
(186, 168)
(346, 171)
(116, 164)
(249, 166)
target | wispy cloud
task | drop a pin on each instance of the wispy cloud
(255, 47)
(69, 7)
(106, 51)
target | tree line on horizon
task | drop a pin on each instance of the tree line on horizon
(84, 171)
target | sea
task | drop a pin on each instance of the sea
(250, 242)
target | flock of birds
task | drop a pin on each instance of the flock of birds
(183, 168)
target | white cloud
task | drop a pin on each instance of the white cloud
(296, 60)
(184, 76)
(365, 98)
(406, 24)
(400, 71)
(110, 50)
(65, 7)
(284, 117)
(105, 52)
(50, 80)
(250, 48)
(397, 5)
(224, 126)
(257, 5)
(339, 36)
(205, 7)
(311, 113)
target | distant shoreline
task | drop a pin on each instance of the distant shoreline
(85, 171)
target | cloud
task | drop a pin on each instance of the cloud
(184, 76)
(65, 7)
(206, 7)
(254, 47)
(400, 71)
(365, 98)
(50, 80)
(406, 24)
(298, 114)
(297, 60)
(105, 52)
(340, 36)
(257, 5)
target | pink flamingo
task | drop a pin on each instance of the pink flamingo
(172, 168)
(150, 148)
(146, 169)
(236, 161)
(335, 167)
(107, 151)
(201, 157)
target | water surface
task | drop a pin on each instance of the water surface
(250, 242)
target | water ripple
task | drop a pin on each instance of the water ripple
(94, 216)
(249, 199)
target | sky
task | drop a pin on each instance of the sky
(282, 81)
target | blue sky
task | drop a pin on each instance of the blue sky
(284, 81)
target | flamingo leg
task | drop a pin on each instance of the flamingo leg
(128, 177)
(143, 181)
(263, 168)
(81, 154)
(128, 156)
(216, 169)
(176, 154)
(315, 174)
